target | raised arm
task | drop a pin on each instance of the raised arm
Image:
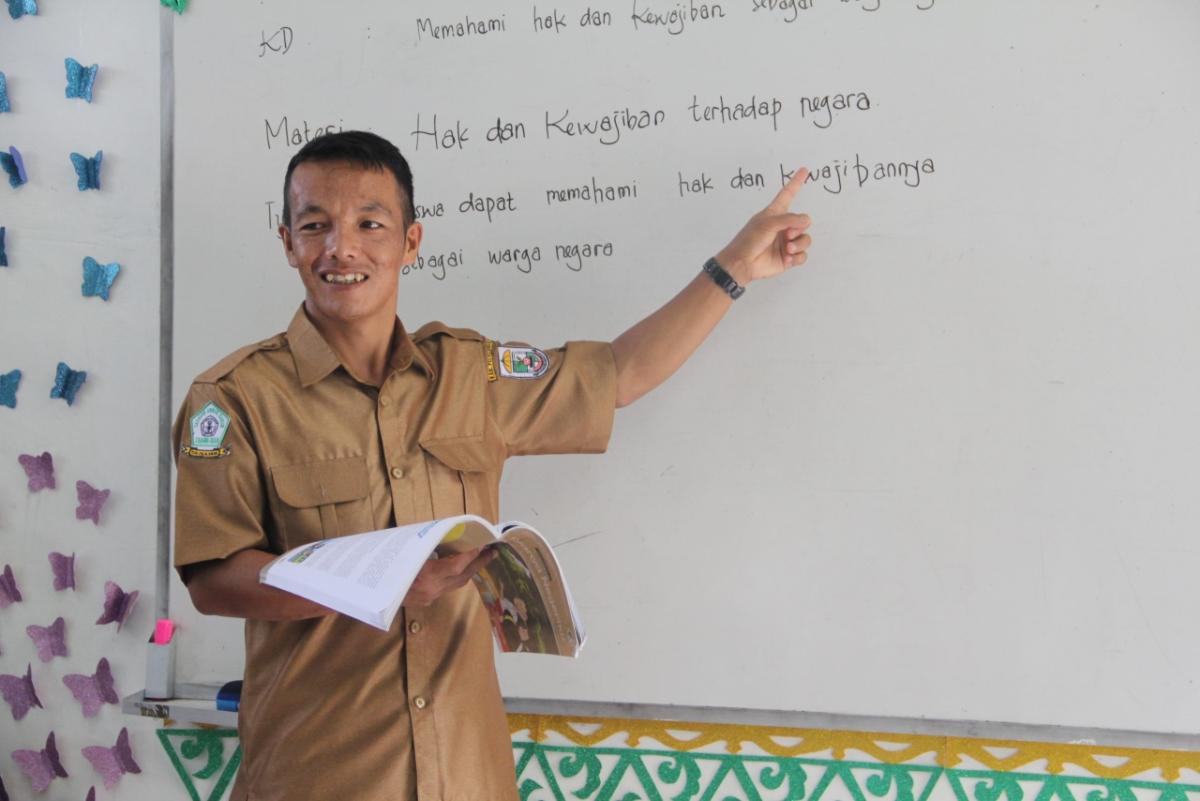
(773, 240)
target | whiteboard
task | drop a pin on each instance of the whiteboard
(945, 470)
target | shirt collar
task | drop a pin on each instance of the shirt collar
(315, 359)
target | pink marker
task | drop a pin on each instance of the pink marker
(164, 629)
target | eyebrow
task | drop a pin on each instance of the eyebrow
(313, 208)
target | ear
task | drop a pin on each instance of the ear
(412, 243)
(285, 233)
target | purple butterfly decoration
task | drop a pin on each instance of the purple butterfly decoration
(93, 691)
(19, 692)
(118, 604)
(91, 501)
(41, 766)
(91, 796)
(113, 763)
(39, 469)
(9, 594)
(64, 570)
(50, 640)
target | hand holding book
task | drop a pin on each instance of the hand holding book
(369, 576)
(440, 576)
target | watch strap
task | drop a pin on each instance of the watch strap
(723, 279)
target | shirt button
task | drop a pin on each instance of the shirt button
(415, 626)
(397, 472)
(384, 402)
(419, 702)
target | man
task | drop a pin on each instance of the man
(347, 423)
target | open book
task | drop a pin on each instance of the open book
(366, 576)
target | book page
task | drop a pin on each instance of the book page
(522, 590)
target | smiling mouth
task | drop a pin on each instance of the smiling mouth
(344, 279)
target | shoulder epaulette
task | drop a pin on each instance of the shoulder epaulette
(434, 329)
(226, 365)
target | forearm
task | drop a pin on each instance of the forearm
(230, 588)
(652, 350)
(769, 243)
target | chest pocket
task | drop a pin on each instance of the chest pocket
(322, 499)
(465, 474)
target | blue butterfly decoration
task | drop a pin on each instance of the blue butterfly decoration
(80, 79)
(19, 8)
(98, 278)
(8, 388)
(4, 105)
(67, 382)
(3, 255)
(88, 170)
(14, 165)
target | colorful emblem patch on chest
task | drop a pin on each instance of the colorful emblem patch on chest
(209, 426)
(524, 363)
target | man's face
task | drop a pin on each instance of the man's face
(347, 240)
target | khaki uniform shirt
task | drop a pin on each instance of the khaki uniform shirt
(332, 708)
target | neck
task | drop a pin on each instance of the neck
(363, 346)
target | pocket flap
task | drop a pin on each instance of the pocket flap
(475, 453)
(317, 483)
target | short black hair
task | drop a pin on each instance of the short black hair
(362, 149)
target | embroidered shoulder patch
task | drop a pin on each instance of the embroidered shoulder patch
(209, 426)
(490, 350)
(524, 363)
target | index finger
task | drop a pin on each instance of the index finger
(783, 200)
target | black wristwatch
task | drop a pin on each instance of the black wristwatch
(723, 279)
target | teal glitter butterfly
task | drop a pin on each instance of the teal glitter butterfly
(67, 382)
(178, 6)
(4, 104)
(8, 388)
(98, 278)
(80, 79)
(3, 255)
(19, 8)
(88, 170)
(12, 163)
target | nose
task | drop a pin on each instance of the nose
(342, 243)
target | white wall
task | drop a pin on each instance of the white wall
(109, 436)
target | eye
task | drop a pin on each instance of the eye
(311, 226)
(371, 225)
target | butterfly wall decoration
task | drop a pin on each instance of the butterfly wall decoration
(87, 170)
(4, 104)
(3, 253)
(80, 79)
(118, 605)
(67, 383)
(63, 568)
(9, 594)
(50, 641)
(19, 692)
(113, 763)
(91, 501)
(21, 8)
(41, 766)
(39, 471)
(94, 691)
(9, 383)
(98, 278)
(12, 163)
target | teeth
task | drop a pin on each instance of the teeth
(351, 278)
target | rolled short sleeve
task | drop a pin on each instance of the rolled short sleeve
(219, 496)
(564, 404)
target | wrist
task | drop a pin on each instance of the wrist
(738, 269)
(722, 279)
